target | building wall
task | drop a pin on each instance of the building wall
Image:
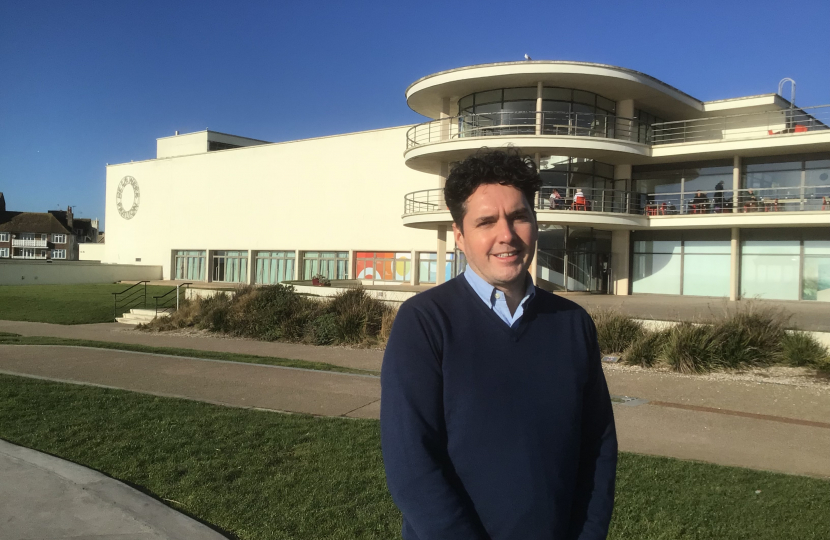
(340, 193)
(23, 272)
(91, 252)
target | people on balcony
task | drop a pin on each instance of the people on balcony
(717, 200)
(748, 201)
(555, 202)
(580, 202)
(700, 204)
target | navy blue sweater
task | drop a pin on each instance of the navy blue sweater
(492, 432)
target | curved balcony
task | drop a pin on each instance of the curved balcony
(593, 135)
(546, 123)
(611, 208)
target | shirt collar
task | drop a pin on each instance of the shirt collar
(487, 292)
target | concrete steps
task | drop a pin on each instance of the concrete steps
(137, 316)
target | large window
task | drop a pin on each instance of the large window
(190, 265)
(643, 128)
(274, 267)
(58, 238)
(692, 263)
(688, 188)
(785, 265)
(795, 182)
(565, 112)
(230, 266)
(383, 266)
(331, 264)
(4, 253)
(4, 237)
(58, 253)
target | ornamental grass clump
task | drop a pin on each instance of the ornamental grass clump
(647, 350)
(800, 349)
(691, 348)
(751, 337)
(615, 331)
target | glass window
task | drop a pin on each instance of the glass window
(656, 273)
(817, 173)
(769, 276)
(557, 94)
(58, 253)
(230, 266)
(816, 279)
(383, 266)
(465, 103)
(586, 98)
(4, 237)
(706, 274)
(491, 96)
(274, 267)
(428, 267)
(190, 265)
(4, 253)
(517, 94)
(606, 105)
(331, 264)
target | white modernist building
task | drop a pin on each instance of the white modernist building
(646, 190)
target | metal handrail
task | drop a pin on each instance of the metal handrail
(771, 199)
(500, 123)
(167, 305)
(774, 199)
(793, 120)
(592, 200)
(131, 300)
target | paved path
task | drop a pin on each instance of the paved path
(47, 498)
(368, 359)
(756, 425)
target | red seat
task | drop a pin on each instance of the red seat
(800, 129)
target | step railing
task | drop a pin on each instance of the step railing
(165, 303)
(129, 298)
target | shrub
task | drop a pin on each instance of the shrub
(752, 336)
(646, 350)
(692, 348)
(214, 312)
(802, 349)
(359, 316)
(324, 330)
(615, 331)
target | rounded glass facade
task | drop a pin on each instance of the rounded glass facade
(565, 111)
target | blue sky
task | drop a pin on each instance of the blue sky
(85, 83)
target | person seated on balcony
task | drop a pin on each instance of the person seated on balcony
(717, 200)
(700, 203)
(579, 200)
(748, 201)
(555, 200)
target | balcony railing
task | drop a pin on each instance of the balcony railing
(743, 126)
(28, 256)
(27, 243)
(506, 123)
(778, 199)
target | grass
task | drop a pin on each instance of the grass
(261, 475)
(16, 339)
(64, 304)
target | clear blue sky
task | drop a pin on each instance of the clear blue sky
(85, 83)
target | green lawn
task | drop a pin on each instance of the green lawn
(262, 475)
(64, 304)
(7, 338)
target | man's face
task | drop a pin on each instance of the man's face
(499, 236)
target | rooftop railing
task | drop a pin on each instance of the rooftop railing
(506, 123)
(743, 126)
(550, 198)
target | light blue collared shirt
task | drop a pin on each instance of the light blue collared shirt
(495, 299)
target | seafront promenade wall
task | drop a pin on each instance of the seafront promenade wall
(27, 272)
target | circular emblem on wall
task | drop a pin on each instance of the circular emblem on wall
(127, 197)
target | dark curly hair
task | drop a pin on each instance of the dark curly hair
(506, 167)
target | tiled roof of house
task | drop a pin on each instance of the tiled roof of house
(32, 222)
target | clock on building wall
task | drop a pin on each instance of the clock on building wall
(121, 197)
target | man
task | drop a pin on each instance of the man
(495, 417)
